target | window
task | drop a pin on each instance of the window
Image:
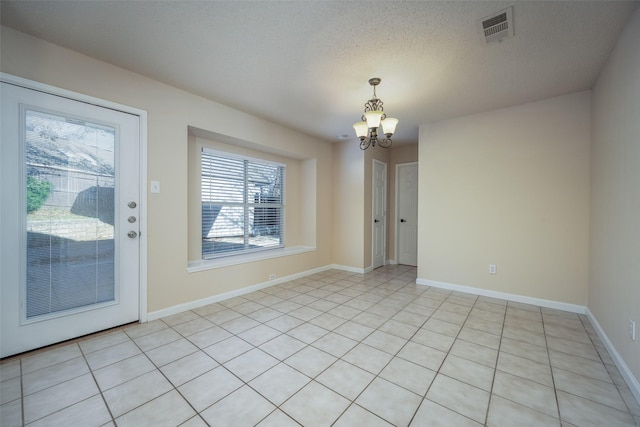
(242, 204)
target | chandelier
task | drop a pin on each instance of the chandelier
(372, 119)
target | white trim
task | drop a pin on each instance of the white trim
(384, 213)
(248, 289)
(143, 218)
(231, 294)
(352, 269)
(142, 114)
(392, 262)
(210, 264)
(626, 373)
(573, 308)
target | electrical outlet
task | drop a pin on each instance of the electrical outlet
(492, 269)
(272, 276)
(632, 330)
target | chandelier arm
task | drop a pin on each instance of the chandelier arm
(373, 105)
(385, 143)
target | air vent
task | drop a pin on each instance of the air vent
(497, 27)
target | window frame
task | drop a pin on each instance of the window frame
(247, 205)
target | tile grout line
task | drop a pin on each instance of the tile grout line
(603, 363)
(582, 322)
(553, 380)
(157, 368)
(84, 356)
(54, 385)
(546, 347)
(380, 292)
(277, 407)
(424, 397)
(495, 369)
(22, 394)
(353, 402)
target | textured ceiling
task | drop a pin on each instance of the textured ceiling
(305, 64)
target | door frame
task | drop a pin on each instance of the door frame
(384, 221)
(397, 185)
(142, 168)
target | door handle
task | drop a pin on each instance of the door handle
(132, 234)
(375, 220)
(402, 220)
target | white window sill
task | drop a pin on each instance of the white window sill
(209, 264)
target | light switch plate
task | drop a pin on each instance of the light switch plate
(155, 186)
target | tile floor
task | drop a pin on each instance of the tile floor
(331, 349)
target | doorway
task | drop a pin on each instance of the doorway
(69, 217)
(407, 213)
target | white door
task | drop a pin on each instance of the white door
(407, 213)
(69, 217)
(379, 213)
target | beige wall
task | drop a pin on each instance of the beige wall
(614, 279)
(348, 204)
(398, 155)
(353, 198)
(170, 114)
(511, 188)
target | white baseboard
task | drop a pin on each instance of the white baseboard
(231, 294)
(626, 373)
(248, 289)
(574, 308)
(351, 269)
(391, 262)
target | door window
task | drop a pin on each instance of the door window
(70, 178)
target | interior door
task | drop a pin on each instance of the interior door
(379, 213)
(69, 210)
(407, 213)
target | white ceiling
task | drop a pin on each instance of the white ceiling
(305, 64)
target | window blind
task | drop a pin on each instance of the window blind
(242, 204)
